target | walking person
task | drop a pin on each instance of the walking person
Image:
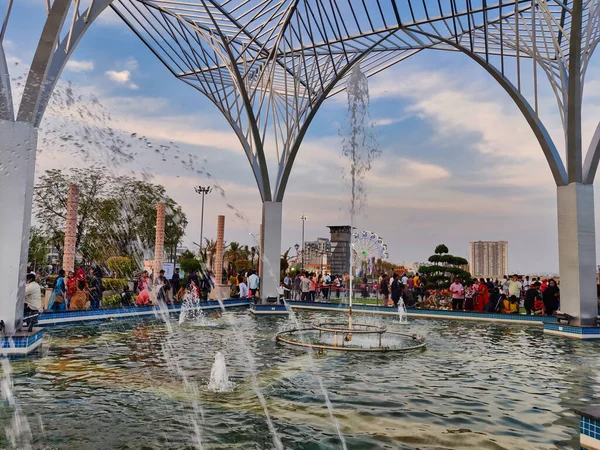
(396, 287)
(253, 281)
(458, 295)
(384, 287)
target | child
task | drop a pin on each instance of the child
(538, 307)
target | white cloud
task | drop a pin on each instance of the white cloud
(80, 66)
(118, 77)
(133, 86)
(131, 64)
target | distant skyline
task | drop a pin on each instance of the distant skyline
(459, 162)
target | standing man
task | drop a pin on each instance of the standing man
(305, 287)
(176, 282)
(458, 295)
(287, 285)
(514, 286)
(531, 296)
(253, 283)
(326, 284)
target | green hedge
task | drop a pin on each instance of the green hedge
(114, 284)
(111, 301)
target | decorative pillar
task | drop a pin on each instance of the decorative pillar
(577, 252)
(270, 245)
(219, 291)
(159, 242)
(260, 258)
(17, 171)
(71, 228)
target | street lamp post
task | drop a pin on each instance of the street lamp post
(203, 191)
(303, 219)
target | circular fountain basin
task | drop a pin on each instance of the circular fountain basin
(359, 337)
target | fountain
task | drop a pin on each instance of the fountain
(360, 147)
(402, 314)
(219, 380)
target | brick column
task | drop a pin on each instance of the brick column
(71, 228)
(220, 291)
(159, 242)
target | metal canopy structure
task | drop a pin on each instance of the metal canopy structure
(268, 65)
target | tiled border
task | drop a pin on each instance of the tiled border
(123, 313)
(428, 313)
(21, 345)
(572, 331)
(260, 310)
(589, 430)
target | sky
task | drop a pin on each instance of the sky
(459, 162)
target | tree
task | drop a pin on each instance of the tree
(444, 268)
(285, 264)
(189, 265)
(38, 248)
(116, 216)
(121, 264)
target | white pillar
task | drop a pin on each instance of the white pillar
(271, 249)
(17, 170)
(577, 252)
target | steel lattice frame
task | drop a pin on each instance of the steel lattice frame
(268, 65)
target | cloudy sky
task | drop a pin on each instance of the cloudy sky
(459, 162)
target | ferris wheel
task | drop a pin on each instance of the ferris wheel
(368, 247)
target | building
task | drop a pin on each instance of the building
(317, 254)
(341, 237)
(488, 258)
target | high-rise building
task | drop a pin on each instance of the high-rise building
(340, 249)
(488, 258)
(316, 253)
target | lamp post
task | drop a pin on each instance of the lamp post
(203, 191)
(303, 219)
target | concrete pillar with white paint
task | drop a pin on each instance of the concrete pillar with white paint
(17, 171)
(270, 256)
(577, 252)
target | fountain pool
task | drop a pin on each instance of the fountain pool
(477, 386)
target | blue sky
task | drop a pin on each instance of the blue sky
(459, 163)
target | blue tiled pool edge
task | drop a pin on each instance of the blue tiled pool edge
(589, 429)
(22, 344)
(572, 331)
(427, 313)
(59, 318)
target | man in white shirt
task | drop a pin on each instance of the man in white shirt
(243, 287)
(33, 295)
(404, 280)
(253, 283)
(514, 287)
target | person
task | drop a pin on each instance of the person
(144, 282)
(57, 299)
(313, 287)
(193, 277)
(176, 281)
(143, 298)
(396, 290)
(71, 287)
(482, 296)
(194, 289)
(513, 304)
(514, 287)
(297, 291)
(95, 288)
(384, 288)
(338, 285)
(243, 287)
(326, 284)
(305, 287)
(405, 279)
(79, 298)
(365, 291)
(163, 287)
(538, 307)
(526, 284)
(287, 286)
(412, 282)
(469, 298)
(551, 297)
(458, 294)
(531, 296)
(126, 299)
(253, 283)
(33, 295)
(505, 286)
(504, 304)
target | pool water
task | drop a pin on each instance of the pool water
(477, 385)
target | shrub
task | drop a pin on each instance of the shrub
(111, 301)
(189, 265)
(114, 284)
(121, 264)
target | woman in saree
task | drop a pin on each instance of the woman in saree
(482, 296)
(57, 299)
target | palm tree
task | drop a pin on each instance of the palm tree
(233, 254)
(209, 252)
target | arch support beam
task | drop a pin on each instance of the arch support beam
(590, 165)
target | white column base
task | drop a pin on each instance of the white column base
(577, 252)
(271, 249)
(18, 143)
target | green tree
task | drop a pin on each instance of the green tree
(38, 248)
(444, 268)
(121, 264)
